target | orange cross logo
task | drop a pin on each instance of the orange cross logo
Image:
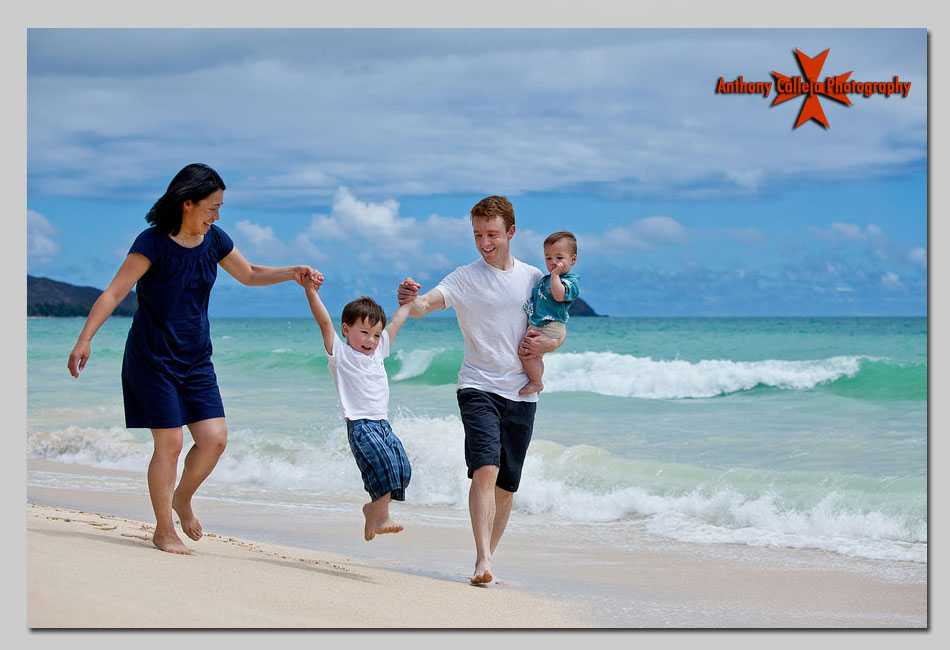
(791, 87)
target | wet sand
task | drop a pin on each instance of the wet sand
(261, 565)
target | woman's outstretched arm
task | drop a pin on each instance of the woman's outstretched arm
(254, 275)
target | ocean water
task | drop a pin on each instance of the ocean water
(791, 433)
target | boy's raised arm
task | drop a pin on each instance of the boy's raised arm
(399, 317)
(310, 284)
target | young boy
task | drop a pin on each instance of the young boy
(363, 389)
(550, 300)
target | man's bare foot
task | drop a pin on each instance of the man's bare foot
(170, 544)
(482, 573)
(189, 523)
(369, 528)
(388, 526)
(531, 387)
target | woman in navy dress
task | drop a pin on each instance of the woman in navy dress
(168, 380)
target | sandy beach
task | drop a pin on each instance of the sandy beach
(89, 570)
(90, 564)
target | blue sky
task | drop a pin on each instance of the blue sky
(360, 152)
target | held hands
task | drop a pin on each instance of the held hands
(408, 291)
(78, 358)
(300, 272)
(311, 280)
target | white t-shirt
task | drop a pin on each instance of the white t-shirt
(489, 304)
(360, 379)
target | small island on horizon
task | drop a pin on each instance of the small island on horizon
(51, 298)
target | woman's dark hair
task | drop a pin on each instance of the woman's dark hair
(193, 183)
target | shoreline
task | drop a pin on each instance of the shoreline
(588, 574)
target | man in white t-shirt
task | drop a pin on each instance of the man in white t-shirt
(488, 296)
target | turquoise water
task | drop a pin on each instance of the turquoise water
(784, 432)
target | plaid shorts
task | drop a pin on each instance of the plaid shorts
(381, 458)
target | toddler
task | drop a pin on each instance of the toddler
(550, 300)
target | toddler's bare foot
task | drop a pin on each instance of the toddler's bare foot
(531, 387)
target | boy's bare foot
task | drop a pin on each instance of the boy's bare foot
(531, 387)
(372, 528)
(189, 523)
(170, 544)
(482, 573)
(369, 528)
(388, 526)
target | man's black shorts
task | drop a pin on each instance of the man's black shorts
(497, 432)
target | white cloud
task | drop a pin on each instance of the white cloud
(643, 234)
(877, 244)
(660, 230)
(404, 111)
(381, 235)
(324, 227)
(370, 232)
(374, 222)
(40, 232)
(260, 239)
(311, 250)
(846, 231)
(892, 282)
(838, 232)
(448, 229)
(749, 180)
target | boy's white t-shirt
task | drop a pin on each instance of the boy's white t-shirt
(489, 304)
(361, 382)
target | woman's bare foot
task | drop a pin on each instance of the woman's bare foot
(531, 387)
(170, 543)
(189, 523)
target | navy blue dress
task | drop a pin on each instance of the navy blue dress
(167, 377)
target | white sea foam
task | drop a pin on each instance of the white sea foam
(872, 535)
(575, 483)
(729, 517)
(414, 362)
(112, 448)
(622, 375)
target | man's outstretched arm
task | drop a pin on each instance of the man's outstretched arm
(427, 303)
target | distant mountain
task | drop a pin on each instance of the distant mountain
(581, 308)
(45, 297)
